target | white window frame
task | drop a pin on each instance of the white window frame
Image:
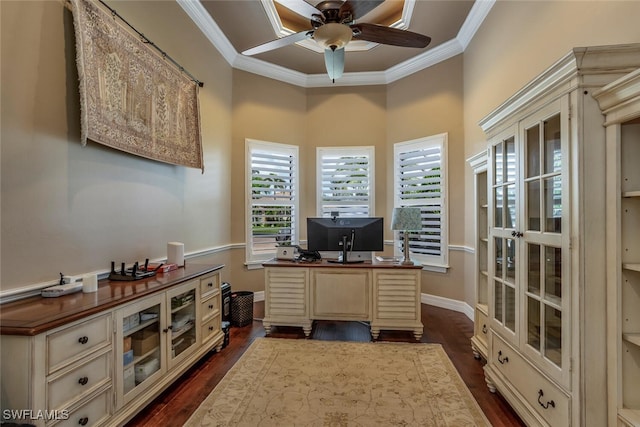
(256, 258)
(343, 206)
(439, 263)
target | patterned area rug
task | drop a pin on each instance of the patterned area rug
(284, 382)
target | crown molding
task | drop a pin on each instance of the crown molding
(456, 46)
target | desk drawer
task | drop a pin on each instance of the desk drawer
(84, 379)
(73, 343)
(545, 397)
(209, 284)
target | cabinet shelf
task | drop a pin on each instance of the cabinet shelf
(631, 266)
(629, 416)
(632, 338)
(182, 307)
(484, 308)
(140, 327)
(630, 194)
(186, 328)
(137, 359)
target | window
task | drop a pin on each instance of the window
(420, 179)
(345, 181)
(272, 198)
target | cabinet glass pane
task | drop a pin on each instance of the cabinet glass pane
(533, 151)
(553, 274)
(183, 319)
(553, 203)
(533, 273)
(141, 346)
(553, 335)
(497, 202)
(511, 160)
(533, 323)
(533, 205)
(498, 165)
(497, 296)
(510, 308)
(511, 260)
(552, 153)
(498, 258)
(511, 206)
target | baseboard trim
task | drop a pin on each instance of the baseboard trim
(448, 303)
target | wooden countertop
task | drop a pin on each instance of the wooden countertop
(323, 263)
(34, 315)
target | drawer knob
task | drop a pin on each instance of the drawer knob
(484, 328)
(545, 405)
(211, 328)
(83, 340)
(501, 359)
(83, 381)
(210, 306)
(168, 328)
(83, 421)
(210, 284)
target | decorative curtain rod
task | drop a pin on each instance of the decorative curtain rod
(147, 41)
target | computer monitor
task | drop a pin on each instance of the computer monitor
(347, 234)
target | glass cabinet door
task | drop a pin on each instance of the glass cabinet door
(543, 251)
(140, 341)
(503, 243)
(182, 327)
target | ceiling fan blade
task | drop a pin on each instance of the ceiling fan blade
(387, 35)
(359, 8)
(334, 61)
(278, 43)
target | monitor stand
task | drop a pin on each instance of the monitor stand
(345, 259)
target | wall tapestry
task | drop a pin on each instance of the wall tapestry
(131, 98)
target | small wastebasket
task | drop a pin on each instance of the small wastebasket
(241, 308)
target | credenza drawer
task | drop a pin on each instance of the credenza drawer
(94, 412)
(210, 306)
(544, 396)
(63, 389)
(209, 328)
(481, 326)
(73, 343)
(209, 284)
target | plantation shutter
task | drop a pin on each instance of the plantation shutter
(273, 194)
(345, 181)
(420, 182)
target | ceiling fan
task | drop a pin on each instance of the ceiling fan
(334, 25)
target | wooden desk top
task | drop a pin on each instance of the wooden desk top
(323, 263)
(34, 315)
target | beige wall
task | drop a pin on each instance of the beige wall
(73, 209)
(428, 103)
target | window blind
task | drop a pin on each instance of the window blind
(345, 181)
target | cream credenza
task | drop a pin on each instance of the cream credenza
(384, 294)
(548, 305)
(63, 359)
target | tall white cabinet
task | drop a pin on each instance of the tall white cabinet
(546, 258)
(620, 101)
(480, 339)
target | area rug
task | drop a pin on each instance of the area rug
(286, 382)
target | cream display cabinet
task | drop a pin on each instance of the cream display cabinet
(620, 101)
(546, 254)
(480, 339)
(96, 359)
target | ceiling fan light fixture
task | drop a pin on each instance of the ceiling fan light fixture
(333, 36)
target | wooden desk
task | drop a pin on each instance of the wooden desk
(384, 294)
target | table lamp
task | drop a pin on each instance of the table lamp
(406, 219)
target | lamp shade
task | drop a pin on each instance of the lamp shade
(406, 219)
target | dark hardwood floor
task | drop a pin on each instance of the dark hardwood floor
(451, 329)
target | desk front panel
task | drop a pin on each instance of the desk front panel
(341, 294)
